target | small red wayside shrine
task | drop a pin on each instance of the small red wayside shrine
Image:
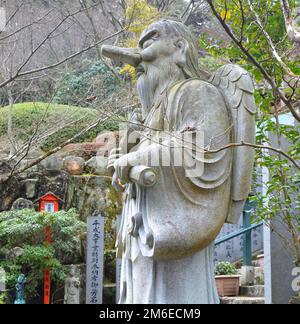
(48, 203)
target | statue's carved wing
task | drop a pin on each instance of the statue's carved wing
(237, 86)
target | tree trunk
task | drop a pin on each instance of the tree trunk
(10, 123)
(292, 31)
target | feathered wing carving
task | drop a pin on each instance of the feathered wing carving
(237, 86)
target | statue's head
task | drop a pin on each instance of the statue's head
(72, 270)
(21, 278)
(166, 52)
(171, 42)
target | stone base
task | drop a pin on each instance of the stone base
(242, 300)
(252, 291)
(247, 275)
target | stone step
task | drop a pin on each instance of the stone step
(242, 300)
(252, 291)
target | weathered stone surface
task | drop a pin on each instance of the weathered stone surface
(22, 203)
(9, 192)
(5, 168)
(88, 194)
(242, 300)
(252, 291)
(30, 186)
(53, 162)
(259, 276)
(72, 287)
(83, 150)
(53, 181)
(107, 142)
(97, 165)
(247, 276)
(74, 165)
(167, 233)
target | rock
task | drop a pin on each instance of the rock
(9, 192)
(22, 203)
(107, 142)
(5, 168)
(35, 153)
(88, 194)
(29, 186)
(83, 150)
(74, 165)
(97, 165)
(53, 162)
(101, 146)
(55, 182)
(16, 252)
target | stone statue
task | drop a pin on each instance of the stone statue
(20, 290)
(72, 287)
(172, 215)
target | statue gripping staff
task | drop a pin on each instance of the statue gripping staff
(173, 211)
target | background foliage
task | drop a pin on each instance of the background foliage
(25, 229)
(253, 27)
(26, 117)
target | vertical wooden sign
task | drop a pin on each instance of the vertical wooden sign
(95, 259)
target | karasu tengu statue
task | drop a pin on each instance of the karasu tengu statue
(173, 211)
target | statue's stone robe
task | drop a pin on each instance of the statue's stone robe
(170, 260)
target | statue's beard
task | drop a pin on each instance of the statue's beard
(147, 84)
(155, 79)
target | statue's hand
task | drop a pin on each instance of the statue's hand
(123, 165)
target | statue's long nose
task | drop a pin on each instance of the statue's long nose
(126, 55)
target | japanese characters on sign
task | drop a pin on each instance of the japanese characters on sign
(95, 251)
(232, 250)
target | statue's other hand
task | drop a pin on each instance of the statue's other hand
(114, 155)
(116, 183)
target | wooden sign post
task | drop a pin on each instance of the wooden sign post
(49, 204)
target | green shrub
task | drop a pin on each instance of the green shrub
(88, 79)
(225, 269)
(25, 229)
(26, 116)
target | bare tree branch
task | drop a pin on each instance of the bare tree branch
(270, 41)
(278, 92)
(51, 66)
